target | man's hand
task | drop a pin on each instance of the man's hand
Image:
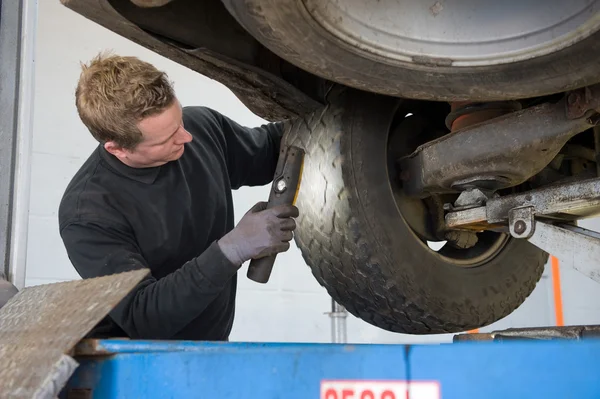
(261, 232)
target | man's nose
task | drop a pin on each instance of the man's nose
(183, 136)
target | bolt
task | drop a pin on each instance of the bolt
(281, 186)
(520, 227)
(594, 119)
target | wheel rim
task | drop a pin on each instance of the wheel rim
(489, 244)
(459, 33)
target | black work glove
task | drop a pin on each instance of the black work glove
(261, 232)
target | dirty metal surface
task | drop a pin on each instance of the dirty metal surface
(502, 152)
(583, 100)
(568, 332)
(520, 222)
(41, 324)
(561, 198)
(572, 245)
(568, 200)
(472, 219)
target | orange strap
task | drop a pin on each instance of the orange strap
(558, 305)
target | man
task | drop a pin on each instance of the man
(156, 193)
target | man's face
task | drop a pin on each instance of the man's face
(163, 140)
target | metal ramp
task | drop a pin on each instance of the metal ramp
(40, 326)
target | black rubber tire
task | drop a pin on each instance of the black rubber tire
(362, 251)
(284, 27)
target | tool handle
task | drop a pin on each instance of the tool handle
(284, 190)
(260, 269)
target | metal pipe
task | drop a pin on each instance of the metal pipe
(10, 34)
(338, 317)
(545, 333)
(17, 259)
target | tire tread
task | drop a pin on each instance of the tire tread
(343, 257)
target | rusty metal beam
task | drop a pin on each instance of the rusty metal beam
(538, 333)
(530, 215)
(565, 241)
(572, 201)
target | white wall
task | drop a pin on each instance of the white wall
(292, 307)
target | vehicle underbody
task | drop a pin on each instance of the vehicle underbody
(410, 140)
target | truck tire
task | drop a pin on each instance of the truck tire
(361, 249)
(464, 51)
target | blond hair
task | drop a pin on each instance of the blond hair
(114, 93)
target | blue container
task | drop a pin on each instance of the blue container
(162, 369)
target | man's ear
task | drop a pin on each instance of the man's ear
(115, 149)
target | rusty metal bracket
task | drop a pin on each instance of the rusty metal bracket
(520, 222)
(537, 333)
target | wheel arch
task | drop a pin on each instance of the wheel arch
(203, 36)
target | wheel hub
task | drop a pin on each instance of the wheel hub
(425, 217)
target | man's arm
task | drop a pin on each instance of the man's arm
(252, 153)
(158, 309)
(154, 309)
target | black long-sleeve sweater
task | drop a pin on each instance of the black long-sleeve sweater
(115, 218)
